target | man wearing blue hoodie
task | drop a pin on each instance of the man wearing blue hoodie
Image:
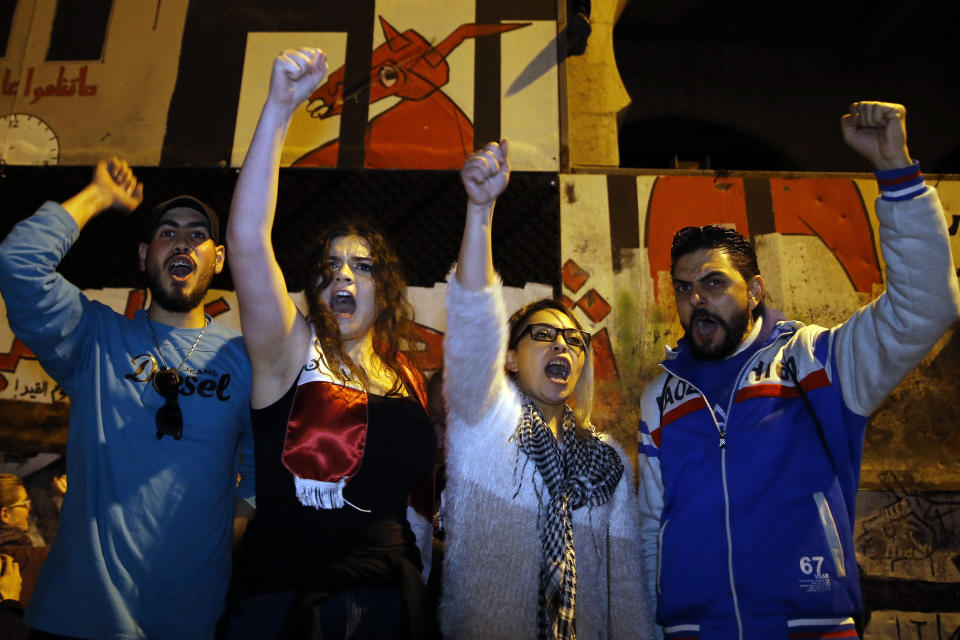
(752, 437)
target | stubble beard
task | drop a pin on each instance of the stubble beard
(733, 333)
(179, 300)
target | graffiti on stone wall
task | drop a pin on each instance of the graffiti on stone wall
(423, 94)
(22, 379)
(816, 238)
(68, 80)
(62, 86)
(409, 68)
(908, 551)
(831, 210)
(912, 535)
(594, 306)
(33, 385)
(408, 90)
(913, 626)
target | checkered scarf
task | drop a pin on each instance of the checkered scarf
(584, 472)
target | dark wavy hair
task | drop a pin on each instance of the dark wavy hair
(393, 323)
(718, 238)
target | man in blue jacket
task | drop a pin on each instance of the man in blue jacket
(751, 439)
(159, 411)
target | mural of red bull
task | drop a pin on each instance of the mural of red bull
(426, 129)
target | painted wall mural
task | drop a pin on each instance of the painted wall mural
(817, 243)
(22, 379)
(426, 128)
(418, 84)
(828, 209)
(816, 240)
(420, 89)
(818, 249)
(908, 549)
(180, 82)
(74, 88)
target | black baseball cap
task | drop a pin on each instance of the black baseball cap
(188, 202)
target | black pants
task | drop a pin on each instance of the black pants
(351, 614)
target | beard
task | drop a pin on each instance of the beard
(733, 333)
(179, 300)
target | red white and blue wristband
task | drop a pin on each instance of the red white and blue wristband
(901, 184)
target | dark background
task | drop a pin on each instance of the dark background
(420, 212)
(761, 84)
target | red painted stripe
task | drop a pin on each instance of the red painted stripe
(815, 380)
(845, 633)
(767, 391)
(694, 404)
(895, 181)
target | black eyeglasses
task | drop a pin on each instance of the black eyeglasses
(545, 333)
(169, 417)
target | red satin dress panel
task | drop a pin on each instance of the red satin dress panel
(326, 432)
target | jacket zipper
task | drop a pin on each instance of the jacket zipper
(726, 494)
(723, 473)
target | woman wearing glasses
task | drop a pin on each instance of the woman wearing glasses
(341, 435)
(542, 526)
(14, 524)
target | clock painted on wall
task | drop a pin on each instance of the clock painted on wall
(26, 139)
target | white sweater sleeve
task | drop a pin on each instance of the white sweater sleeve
(883, 341)
(474, 349)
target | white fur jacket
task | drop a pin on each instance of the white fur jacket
(492, 554)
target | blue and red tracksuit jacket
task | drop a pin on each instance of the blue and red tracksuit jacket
(765, 541)
(747, 507)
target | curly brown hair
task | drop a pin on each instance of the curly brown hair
(393, 323)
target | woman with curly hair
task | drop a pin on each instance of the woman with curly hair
(341, 435)
(542, 527)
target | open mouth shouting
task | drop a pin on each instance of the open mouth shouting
(180, 267)
(705, 324)
(343, 304)
(558, 370)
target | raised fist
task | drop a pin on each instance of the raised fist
(486, 173)
(118, 186)
(296, 73)
(10, 580)
(878, 131)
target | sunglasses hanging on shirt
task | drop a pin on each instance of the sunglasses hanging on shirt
(169, 417)
(166, 381)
